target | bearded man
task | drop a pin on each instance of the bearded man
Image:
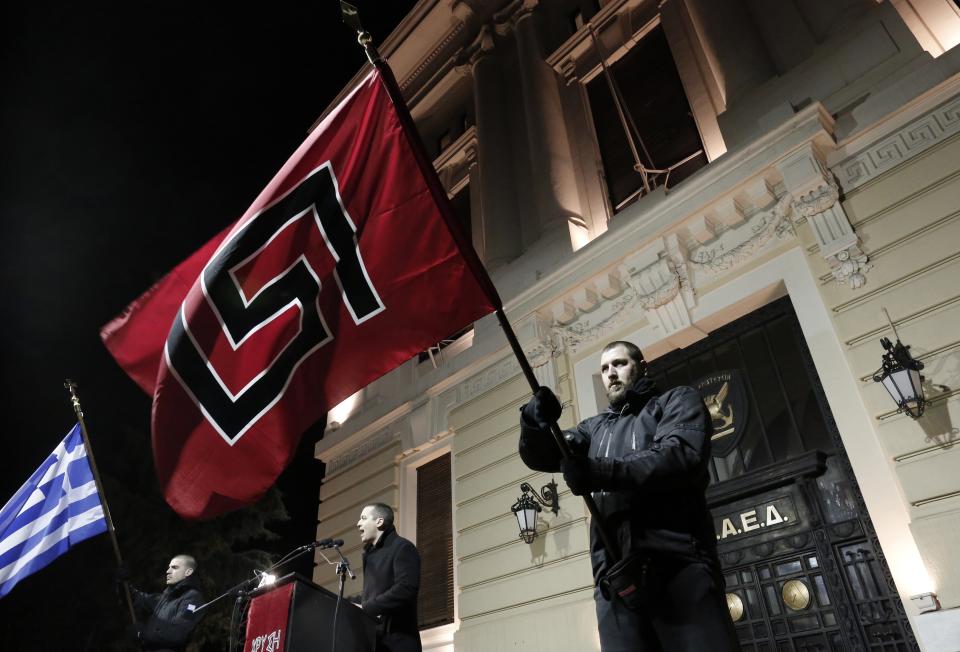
(644, 460)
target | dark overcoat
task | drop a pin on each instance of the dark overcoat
(172, 618)
(391, 584)
(651, 461)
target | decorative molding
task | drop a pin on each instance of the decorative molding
(849, 266)
(936, 499)
(653, 283)
(735, 246)
(440, 436)
(817, 195)
(432, 56)
(913, 138)
(939, 446)
(609, 317)
(658, 282)
(507, 18)
(454, 163)
(482, 46)
(442, 406)
(541, 343)
(360, 451)
(618, 25)
(487, 379)
(818, 200)
(874, 333)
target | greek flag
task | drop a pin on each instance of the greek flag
(59, 506)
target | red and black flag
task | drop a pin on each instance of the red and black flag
(347, 265)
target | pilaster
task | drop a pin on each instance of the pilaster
(500, 234)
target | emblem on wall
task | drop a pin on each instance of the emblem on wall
(725, 396)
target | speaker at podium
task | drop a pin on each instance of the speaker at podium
(295, 615)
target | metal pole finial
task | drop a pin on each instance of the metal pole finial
(71, 387)
(351, 17)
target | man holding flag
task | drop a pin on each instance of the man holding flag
(172, 612)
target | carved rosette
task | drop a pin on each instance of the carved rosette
(849, 266)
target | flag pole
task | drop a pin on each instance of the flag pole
(613, 552)
(351, 17)
(71, 387)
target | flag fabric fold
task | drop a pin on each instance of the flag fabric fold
(345, 267)
(58, 507)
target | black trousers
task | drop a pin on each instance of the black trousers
(687, 613)
(398, 642)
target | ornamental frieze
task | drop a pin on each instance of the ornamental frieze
(735, 246)
(658, 283)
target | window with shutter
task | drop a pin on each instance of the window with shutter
(435, 542)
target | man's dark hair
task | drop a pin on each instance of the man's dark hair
(189, 561)
(632, 350)
(381, 510)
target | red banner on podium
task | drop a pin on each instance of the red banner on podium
(267, 620)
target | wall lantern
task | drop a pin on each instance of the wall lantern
(528, 506)
(900, 375)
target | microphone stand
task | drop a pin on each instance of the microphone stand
(244, 588)
(343, 569)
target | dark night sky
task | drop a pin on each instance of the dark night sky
(130, 133)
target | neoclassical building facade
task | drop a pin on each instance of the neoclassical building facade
(753, 192)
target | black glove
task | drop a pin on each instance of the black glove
(122, 574)
(578, 442)
(543, 409)
(131, 633)
(580, 474)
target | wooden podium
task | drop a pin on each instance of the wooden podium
(295, 615)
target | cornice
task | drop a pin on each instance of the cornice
(619, 25)
(338, 442)
(409, 23)
(919, 125)
(712, 191)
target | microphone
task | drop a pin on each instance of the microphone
(344, 564)
(327, 543)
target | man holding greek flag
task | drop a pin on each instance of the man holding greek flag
(58, 507)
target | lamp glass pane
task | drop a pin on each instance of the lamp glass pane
(891, 388)
(531, 519)
(905, 379)
(521, 515)
(917, 383)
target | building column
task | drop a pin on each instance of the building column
(496, 232)
(556, 193)
(730, 47)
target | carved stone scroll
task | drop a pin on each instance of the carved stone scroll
(816, 198)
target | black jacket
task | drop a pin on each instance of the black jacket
(651, 469)
(172, 617)
(391, 584)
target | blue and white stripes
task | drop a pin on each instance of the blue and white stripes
(59, 506)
